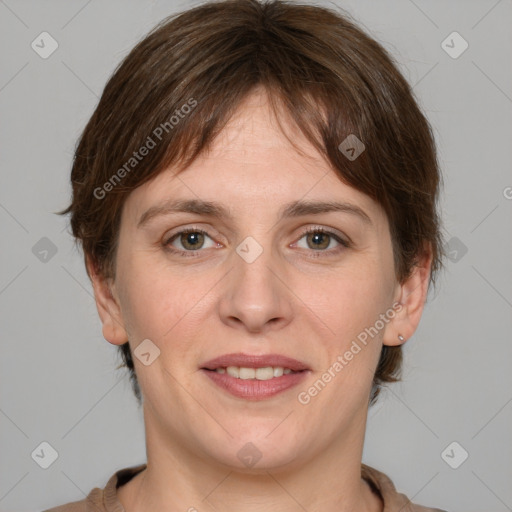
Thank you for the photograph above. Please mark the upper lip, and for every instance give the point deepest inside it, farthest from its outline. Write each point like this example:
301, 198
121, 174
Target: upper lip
254, 361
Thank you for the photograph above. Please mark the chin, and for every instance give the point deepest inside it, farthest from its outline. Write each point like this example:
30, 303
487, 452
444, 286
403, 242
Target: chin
255, 450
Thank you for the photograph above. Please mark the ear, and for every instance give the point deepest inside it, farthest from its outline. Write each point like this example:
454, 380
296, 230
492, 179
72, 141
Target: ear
107, 305
411, 295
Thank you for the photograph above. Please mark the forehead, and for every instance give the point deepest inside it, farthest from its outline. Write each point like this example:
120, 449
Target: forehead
252, 164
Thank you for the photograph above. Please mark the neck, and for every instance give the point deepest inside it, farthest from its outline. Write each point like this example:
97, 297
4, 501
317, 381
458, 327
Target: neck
176, 479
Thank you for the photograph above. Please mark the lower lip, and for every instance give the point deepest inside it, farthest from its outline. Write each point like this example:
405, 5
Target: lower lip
253, 389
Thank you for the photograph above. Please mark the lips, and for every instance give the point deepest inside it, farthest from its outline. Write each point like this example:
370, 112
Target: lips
250, 376
255, 361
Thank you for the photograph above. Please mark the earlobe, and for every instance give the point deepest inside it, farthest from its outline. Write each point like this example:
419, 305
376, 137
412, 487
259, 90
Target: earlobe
108, 307
412, 294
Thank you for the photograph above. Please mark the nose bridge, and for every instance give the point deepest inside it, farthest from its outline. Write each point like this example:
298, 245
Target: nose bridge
253, 279
254, 295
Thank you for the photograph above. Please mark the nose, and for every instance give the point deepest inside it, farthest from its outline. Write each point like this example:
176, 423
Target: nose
255, 297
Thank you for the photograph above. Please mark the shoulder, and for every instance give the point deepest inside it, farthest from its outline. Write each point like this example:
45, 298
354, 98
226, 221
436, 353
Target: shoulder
102, 500
92, 502
392, 499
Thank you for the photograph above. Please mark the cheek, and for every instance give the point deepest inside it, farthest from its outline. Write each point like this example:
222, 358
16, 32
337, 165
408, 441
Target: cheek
352, 302
161, 305
352, 348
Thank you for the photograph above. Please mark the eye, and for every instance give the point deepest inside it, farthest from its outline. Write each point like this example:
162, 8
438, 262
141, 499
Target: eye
191, 239
320, 239
188, 242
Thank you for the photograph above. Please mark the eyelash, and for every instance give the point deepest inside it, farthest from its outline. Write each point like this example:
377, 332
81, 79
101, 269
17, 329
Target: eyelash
317, 253
345, 244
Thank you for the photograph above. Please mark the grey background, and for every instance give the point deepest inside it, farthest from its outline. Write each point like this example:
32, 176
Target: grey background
58, 377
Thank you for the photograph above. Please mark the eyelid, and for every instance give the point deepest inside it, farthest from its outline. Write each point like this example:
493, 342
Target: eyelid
167, 244
339, 237
192, 229
327, 230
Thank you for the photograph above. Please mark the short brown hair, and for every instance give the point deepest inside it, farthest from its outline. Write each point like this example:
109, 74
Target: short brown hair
332, 79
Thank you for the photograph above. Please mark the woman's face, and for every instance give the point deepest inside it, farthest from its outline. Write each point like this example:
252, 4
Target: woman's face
254, 284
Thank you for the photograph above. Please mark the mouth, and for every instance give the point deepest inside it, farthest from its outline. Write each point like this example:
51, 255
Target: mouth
254, 377
245, 373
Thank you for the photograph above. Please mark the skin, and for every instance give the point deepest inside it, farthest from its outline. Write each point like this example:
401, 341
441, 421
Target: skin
287, 301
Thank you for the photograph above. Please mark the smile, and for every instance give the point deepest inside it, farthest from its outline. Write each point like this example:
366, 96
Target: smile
255, 377
266, 373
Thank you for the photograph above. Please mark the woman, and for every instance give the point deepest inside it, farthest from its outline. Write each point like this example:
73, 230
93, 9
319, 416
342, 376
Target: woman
256, 197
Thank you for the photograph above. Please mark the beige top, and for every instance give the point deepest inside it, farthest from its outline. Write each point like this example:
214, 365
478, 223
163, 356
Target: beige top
105, 500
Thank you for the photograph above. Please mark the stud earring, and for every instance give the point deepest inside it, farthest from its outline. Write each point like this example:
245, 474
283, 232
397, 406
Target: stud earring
401, 338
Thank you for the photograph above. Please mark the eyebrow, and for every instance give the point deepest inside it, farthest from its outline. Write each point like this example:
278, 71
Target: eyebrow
293, 209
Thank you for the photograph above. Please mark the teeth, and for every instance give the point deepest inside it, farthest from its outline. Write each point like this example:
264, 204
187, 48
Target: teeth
278, 371
266, 373
247, 373
233, 371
